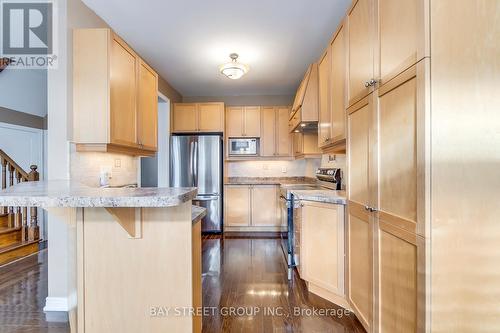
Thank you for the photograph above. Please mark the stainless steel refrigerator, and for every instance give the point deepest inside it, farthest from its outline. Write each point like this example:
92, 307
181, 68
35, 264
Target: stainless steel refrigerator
196, 161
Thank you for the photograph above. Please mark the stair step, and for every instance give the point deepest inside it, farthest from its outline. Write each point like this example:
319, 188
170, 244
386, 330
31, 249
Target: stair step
4, 220
17, 251
9, 236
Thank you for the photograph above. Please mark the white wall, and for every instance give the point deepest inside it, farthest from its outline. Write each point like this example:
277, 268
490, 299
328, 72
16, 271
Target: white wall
24, 90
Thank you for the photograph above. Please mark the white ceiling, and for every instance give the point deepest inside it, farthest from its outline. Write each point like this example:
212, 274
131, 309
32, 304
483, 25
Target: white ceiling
186, 40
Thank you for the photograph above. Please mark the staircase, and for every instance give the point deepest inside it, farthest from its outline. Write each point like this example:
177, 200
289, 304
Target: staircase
19, 231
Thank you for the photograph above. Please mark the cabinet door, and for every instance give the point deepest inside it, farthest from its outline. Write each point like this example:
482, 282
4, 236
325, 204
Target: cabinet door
252, 121
268, 138
265, 206
323, 246
397, 151
358, 145
211, 117
283, 138
361, 31
185, 117
234, 121
397, 279
123, 82
147, 107
237, 205
397, 36
298, 148
360, 257
337, 88
324, 130
310, 144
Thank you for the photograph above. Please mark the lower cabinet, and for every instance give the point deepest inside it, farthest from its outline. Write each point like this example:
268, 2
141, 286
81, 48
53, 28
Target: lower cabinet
322, 250
360, 261
252, 208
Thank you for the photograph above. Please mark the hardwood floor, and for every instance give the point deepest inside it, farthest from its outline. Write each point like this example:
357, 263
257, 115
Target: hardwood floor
248, 275
244, 281
23, 288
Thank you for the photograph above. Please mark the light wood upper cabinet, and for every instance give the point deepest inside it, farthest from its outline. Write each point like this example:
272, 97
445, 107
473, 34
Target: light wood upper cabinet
123, 86
324, 125
322, 246
147, 121
361, 49
243, 121
114, 95
185, 117
252, 121
235, 121
283, 137
198, 117
265, 206
211, 117
275, 140
337, 92
237, 205
305, 145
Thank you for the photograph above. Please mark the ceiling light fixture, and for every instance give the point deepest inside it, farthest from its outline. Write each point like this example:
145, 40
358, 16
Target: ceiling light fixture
234, 70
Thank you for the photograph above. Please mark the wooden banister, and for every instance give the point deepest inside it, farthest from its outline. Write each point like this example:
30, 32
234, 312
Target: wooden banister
18, 216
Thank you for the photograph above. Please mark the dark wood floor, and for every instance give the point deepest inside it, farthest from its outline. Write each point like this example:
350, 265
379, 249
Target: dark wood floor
244, 290
23, 288
244, 273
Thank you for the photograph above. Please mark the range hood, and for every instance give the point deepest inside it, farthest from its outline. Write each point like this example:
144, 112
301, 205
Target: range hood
305, 109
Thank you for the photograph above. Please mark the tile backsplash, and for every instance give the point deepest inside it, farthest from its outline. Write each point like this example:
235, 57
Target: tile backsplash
299, 168
85, 167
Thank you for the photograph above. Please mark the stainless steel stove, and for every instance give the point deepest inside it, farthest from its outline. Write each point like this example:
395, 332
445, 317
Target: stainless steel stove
326, 179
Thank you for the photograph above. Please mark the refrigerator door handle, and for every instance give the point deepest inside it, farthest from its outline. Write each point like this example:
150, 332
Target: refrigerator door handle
195, 162
191, 155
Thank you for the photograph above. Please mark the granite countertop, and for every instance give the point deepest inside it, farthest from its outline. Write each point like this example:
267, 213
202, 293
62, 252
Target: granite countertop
268, 180
71, 194
325, 196
197, 213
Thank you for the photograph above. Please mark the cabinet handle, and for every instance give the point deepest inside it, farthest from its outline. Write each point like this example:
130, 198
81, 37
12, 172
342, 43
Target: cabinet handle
367, 208
370, 83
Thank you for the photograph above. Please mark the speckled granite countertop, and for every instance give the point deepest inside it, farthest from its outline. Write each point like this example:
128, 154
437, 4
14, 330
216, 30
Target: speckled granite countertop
197, 213
268, 180
325, 196
71, 194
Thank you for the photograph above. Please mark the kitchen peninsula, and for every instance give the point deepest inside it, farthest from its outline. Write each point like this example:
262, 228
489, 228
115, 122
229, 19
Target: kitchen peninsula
134, 250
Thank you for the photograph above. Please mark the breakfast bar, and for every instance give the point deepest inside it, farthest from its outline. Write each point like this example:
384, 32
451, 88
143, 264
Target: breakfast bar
135, 250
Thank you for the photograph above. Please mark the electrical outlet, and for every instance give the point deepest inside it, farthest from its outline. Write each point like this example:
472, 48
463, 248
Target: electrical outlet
118, 163
265, 166
283, 169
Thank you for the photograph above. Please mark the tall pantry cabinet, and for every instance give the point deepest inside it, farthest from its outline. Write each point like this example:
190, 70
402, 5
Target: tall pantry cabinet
386, 119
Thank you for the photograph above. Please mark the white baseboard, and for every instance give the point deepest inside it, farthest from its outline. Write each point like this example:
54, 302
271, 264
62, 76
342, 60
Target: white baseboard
56, 304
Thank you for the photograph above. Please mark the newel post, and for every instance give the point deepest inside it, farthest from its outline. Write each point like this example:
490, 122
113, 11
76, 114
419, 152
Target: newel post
33, 230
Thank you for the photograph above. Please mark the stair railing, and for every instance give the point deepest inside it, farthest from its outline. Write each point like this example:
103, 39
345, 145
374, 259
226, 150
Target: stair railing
12, 174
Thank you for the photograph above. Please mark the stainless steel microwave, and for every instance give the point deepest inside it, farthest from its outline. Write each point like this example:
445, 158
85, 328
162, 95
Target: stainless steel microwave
243, 146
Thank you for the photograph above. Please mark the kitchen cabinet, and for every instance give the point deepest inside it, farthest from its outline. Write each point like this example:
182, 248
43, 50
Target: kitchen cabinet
265, 210
275, 140
198, 117
237, 205
147, 115
332, 94
305, 109
402, 36
360, 223
305, 145
361, 32
252, 208
324, 124
322, 249
243, 121
114, 95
